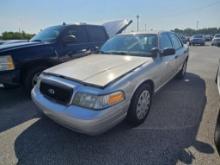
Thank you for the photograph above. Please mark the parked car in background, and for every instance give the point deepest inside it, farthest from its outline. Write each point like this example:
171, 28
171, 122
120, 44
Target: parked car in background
1, 42
13, 41
22, 62
197, 40
208, 37
94, 93
217, 129
216, 40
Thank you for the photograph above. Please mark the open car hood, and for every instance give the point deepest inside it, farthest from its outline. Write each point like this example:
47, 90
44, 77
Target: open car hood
116, 27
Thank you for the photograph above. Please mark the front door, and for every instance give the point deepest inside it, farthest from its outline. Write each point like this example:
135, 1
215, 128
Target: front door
168, 61
77, 48
180, 50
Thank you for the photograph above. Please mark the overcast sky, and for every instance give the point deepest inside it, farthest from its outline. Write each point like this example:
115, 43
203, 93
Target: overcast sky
33, 15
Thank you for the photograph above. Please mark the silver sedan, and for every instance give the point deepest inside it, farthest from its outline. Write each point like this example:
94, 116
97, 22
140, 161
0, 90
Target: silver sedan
92, 94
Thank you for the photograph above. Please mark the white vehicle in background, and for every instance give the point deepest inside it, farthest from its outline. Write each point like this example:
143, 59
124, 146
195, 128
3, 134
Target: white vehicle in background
216, 40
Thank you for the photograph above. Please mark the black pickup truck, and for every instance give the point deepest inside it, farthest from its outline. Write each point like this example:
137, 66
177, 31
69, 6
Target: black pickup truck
22, 62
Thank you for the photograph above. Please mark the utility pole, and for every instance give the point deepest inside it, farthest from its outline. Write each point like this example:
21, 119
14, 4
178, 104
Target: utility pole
137, 22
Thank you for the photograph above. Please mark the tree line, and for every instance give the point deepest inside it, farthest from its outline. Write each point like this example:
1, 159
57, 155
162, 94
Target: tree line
204, 31
188, 32
16, 35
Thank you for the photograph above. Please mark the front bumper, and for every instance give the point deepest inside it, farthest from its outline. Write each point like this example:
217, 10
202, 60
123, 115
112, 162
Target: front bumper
79, 119
10, 77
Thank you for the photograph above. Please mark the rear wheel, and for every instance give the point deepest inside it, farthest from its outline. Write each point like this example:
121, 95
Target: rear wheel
31, 78
140, 105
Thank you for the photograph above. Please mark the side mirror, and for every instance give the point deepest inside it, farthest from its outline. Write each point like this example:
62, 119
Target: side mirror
69, 39
154, 51
168, 51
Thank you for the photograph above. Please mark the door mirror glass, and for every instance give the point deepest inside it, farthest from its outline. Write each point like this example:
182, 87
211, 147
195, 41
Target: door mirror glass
168, 51
69, 39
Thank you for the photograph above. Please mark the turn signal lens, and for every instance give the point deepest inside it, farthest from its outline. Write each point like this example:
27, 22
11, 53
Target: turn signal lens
115, 98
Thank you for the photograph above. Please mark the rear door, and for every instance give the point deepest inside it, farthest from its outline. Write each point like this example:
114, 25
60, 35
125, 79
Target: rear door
77, 48
180, 51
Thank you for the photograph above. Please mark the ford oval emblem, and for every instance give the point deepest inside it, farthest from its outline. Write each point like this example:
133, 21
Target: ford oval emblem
51, 91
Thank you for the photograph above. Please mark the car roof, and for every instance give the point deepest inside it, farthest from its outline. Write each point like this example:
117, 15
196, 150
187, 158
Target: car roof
83, 25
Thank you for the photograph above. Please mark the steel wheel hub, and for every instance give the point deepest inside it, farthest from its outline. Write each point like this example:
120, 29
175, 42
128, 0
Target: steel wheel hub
143, 104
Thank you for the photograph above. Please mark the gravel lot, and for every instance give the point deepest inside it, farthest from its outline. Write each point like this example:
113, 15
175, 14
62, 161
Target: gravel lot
178, 130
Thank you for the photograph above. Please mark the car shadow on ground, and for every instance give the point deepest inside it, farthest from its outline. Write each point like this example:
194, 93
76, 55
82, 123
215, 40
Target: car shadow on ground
163, 138
15, 108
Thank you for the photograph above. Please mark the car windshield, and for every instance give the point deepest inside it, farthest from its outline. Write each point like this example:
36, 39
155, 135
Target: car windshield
48, 35
217, 36
137, 45
198, 36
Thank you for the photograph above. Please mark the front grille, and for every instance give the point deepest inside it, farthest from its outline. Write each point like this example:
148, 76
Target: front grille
57, 92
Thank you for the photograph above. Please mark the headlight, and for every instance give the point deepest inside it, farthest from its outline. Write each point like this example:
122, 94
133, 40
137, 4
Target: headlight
6, 63
98, 102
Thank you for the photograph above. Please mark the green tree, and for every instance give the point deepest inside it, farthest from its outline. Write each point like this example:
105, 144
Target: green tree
16, 35
190, 32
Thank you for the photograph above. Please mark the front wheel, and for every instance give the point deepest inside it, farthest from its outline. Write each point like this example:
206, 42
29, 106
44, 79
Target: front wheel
140, 105
31, 78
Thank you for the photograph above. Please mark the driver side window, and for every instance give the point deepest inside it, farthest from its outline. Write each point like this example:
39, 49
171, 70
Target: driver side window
78, 32
176, 43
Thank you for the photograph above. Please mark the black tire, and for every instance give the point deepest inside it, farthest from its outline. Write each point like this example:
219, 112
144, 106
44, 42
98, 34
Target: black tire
29, 77
217, 134
181, 74
132, 117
